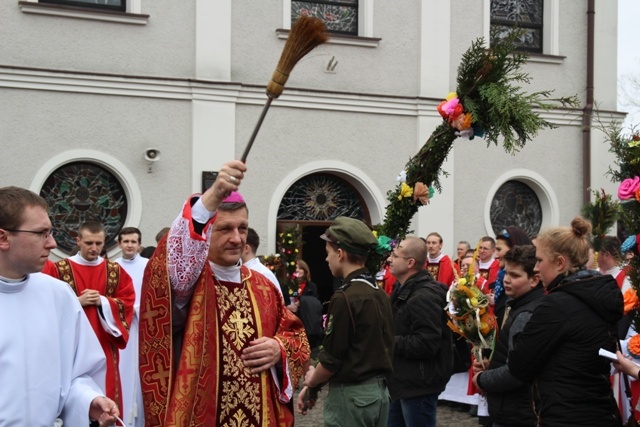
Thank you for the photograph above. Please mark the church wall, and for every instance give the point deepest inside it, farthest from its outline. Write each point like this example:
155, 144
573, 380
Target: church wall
163, 47
389, 68
38, 125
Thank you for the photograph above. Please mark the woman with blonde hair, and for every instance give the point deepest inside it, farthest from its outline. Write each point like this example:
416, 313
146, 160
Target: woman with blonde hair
557, 352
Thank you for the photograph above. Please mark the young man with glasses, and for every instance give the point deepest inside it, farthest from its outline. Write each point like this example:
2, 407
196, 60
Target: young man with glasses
52, 364
422, 353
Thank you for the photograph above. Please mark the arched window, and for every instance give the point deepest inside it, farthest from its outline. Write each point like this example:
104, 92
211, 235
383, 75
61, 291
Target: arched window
83, 191
321, 197
515, 203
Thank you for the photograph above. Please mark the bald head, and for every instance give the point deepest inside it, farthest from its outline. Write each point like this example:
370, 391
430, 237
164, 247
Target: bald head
408, 258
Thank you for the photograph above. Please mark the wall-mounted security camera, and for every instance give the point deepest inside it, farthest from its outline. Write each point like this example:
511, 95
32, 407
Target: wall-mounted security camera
152, 155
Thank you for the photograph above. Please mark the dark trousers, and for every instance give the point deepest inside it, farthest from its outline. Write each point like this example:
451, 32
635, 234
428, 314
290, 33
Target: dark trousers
419, 411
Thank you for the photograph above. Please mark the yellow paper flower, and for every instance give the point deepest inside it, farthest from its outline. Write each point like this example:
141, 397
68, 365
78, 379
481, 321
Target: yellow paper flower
462, 281
405, 191
421, 193
451, 95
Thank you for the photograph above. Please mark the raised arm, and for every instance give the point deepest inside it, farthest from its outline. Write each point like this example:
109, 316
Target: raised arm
188, 239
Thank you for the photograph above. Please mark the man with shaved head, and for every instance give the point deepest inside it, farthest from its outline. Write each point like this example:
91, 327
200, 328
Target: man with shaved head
422, 349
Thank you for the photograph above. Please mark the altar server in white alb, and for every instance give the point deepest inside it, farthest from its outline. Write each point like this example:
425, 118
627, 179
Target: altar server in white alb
130, 241
52, 366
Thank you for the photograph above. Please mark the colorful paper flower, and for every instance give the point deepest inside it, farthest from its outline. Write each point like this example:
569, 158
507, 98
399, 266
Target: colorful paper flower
421, 193
628, 188
384, 245
447, 107
462, 122
405, 191
633, 346
402, 176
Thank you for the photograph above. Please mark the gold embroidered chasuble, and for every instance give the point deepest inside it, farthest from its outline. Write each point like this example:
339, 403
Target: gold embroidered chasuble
209, 385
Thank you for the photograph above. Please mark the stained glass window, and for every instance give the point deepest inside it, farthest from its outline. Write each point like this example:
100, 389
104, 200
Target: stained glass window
320, 197
79, 192
515, 203
120, 5
340, 16
525, 14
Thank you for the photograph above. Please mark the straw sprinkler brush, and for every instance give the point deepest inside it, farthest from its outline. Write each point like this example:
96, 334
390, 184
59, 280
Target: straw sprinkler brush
306, 33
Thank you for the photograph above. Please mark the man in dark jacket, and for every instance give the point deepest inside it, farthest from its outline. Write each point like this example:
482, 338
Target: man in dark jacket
509, 398
423, 355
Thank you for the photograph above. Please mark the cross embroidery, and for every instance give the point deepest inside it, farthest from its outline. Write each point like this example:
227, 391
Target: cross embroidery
238, 329
149, 314
161, 375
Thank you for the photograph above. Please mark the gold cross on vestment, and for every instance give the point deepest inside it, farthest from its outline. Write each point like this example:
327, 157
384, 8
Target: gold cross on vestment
161, 375
238, 326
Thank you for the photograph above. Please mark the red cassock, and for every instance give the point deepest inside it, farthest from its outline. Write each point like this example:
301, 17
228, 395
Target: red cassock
116, 285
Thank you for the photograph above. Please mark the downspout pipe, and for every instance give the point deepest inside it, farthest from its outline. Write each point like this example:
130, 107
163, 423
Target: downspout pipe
587, 111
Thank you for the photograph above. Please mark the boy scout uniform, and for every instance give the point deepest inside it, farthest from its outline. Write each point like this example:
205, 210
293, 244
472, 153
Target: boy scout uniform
358, 342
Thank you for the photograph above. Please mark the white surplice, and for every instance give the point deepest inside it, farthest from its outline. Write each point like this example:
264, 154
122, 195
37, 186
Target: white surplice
132, 408
51, 363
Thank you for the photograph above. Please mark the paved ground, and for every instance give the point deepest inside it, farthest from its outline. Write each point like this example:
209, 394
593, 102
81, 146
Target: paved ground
447, 416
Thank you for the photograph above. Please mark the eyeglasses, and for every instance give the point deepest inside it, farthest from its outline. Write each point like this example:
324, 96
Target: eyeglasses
395, 255
44, 234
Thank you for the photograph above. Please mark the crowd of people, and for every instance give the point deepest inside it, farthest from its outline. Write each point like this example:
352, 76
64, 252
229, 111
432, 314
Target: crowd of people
203, 334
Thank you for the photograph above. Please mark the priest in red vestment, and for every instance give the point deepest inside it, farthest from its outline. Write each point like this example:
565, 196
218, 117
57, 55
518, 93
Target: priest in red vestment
438, 264
106, 294
489, 265
217, 344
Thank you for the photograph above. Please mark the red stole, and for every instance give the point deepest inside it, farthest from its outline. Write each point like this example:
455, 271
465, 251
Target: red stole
209, 385
112, 282
491, 273
620, 278
442, 271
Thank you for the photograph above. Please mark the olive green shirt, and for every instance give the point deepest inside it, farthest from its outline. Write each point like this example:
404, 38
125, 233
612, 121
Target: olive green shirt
358, 341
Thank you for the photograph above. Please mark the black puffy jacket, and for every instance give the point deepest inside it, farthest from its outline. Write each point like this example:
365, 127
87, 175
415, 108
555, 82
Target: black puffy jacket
557, 352
423, 346
509, 399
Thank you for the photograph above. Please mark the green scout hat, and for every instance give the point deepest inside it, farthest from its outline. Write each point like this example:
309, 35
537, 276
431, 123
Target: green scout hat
352, 235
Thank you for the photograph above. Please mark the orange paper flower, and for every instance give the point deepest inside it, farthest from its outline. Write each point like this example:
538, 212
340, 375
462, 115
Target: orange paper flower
420, 193
634, 346
638, 194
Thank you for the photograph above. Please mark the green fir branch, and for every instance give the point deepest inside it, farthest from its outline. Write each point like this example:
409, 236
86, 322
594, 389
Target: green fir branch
489, 89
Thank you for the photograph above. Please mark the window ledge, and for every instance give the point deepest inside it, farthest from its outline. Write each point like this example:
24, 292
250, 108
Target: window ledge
545, 59
340, 39
83, 13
